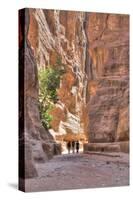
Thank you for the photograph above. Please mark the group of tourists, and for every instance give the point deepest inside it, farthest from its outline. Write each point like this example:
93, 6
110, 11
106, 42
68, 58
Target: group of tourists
74, 145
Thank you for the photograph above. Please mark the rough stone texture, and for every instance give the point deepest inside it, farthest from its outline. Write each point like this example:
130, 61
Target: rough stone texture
102, 147
107, 147
26, 163
32, 136
124, 146
108, 36
93, 95
37, 133
123, 129
62, 35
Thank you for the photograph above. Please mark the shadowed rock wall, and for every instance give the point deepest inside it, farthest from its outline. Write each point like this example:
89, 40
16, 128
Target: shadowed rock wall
35, 143
108, 36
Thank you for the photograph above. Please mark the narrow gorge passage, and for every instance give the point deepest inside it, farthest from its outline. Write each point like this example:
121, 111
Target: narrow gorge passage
75, 67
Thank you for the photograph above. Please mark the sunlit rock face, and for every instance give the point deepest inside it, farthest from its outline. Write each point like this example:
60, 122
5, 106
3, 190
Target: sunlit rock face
93, 94
62, 35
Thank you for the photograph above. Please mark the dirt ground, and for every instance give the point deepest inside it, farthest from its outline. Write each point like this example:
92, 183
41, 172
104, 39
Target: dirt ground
77, 171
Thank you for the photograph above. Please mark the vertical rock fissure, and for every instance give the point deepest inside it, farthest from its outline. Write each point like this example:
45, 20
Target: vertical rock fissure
88, 61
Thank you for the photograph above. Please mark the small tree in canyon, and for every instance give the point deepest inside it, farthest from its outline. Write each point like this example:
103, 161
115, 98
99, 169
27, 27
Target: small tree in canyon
49, 82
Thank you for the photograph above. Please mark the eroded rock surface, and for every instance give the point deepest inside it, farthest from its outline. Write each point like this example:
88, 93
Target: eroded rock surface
93, 95
108, 36
32, 135
62, 36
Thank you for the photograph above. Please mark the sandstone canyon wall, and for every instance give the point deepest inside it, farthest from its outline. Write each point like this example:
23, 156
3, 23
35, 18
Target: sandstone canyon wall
35, 143
93, 95
108, 36
62, 35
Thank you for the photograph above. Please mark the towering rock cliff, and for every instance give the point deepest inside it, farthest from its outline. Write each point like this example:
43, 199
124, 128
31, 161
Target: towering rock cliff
35, 143
108, 36
62, 35
93, 95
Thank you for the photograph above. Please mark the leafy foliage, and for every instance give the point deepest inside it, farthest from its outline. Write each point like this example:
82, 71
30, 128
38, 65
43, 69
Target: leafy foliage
49, 81
45, 116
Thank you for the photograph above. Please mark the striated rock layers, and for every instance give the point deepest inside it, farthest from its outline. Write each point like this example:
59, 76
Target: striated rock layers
62, 36
108, 36
35, 143
93, 95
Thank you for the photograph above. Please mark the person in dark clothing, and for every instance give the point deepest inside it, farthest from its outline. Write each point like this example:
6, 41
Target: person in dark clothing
68, 146
77, 146
73, 146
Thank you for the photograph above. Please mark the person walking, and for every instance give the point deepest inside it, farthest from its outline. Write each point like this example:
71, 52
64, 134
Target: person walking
68, 146
73, 146
77, 146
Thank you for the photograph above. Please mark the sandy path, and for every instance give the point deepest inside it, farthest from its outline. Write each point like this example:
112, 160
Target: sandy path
76, 171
